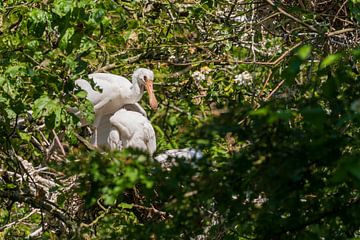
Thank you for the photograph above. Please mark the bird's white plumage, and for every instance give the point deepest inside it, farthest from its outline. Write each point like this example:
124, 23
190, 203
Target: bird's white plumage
186, 153
116, 92
135, 108
125, 129
168, 159
135, 130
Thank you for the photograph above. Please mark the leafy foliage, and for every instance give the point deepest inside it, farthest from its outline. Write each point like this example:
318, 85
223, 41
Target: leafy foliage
267, 91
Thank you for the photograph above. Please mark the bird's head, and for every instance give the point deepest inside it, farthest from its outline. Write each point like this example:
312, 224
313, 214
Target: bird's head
144, 77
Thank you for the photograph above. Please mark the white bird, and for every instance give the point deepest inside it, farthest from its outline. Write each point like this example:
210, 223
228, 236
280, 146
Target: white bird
168, 158
126, 129
186, 153
117, 91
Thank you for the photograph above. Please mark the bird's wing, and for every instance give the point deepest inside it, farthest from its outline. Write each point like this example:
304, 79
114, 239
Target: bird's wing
111, 86
92, 95
149, 137
110, 79
117, 120
135, 108
103, 101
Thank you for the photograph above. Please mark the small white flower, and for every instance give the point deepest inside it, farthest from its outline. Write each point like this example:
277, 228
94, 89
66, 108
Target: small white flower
172, 58
198, 77
260, 200
241, 18
243, 79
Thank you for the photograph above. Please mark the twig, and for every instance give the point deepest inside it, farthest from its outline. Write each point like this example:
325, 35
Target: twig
279, 59
266, 18
85, 142
232, 10
59, 143
177, 74
337, 13
151, 209
282, 11
96, 220
36, 233
40, 204
178, 109
37, 144
341, 31
107, 67
230, 61
19, 220
275, 89
253, 33
14, 128
266, 82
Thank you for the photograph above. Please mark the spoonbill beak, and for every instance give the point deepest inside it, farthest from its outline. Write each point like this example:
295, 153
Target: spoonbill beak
152, 99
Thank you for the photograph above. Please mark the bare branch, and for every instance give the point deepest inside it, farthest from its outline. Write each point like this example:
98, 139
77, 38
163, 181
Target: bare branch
282, 11
2, 228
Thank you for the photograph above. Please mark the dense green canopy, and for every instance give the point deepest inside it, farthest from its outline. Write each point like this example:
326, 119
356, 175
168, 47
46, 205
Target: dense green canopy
267, 90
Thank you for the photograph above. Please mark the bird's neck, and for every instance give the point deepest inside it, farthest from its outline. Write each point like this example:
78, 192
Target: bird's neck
136, 90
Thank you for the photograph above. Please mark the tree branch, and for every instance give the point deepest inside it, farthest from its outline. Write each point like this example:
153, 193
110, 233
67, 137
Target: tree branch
282, 11
40, 204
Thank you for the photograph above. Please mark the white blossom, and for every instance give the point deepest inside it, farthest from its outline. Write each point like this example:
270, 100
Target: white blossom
198, 77
241, 18
259, 201
172, 58
243, 79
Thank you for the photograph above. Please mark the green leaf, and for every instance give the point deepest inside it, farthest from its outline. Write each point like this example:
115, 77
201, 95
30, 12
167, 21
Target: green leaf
132, 174
81, 94
260, 112
132, 24
10, 113
304, 52
329, 60
24, 136
66, 38
49, 108
39, 105
3, 100
17, 70
38, 16
126, 205
10, 186
63, 7
315, 116
2, 80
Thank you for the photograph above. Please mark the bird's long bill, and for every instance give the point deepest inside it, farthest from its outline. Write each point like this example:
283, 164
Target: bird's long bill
152, 98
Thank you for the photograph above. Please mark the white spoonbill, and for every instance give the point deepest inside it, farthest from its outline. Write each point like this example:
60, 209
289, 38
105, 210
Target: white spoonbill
126, 129
116, 91
168, 158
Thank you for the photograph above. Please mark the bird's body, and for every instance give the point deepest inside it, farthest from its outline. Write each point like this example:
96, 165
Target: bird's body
116, 91
103, 131
169, 158
186, 153
135, 130
126, 129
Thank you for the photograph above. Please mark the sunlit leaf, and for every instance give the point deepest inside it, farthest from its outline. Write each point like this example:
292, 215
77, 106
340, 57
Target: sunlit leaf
329, 60
304, 52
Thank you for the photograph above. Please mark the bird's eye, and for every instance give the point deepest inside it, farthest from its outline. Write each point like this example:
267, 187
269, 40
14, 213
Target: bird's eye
145, 78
